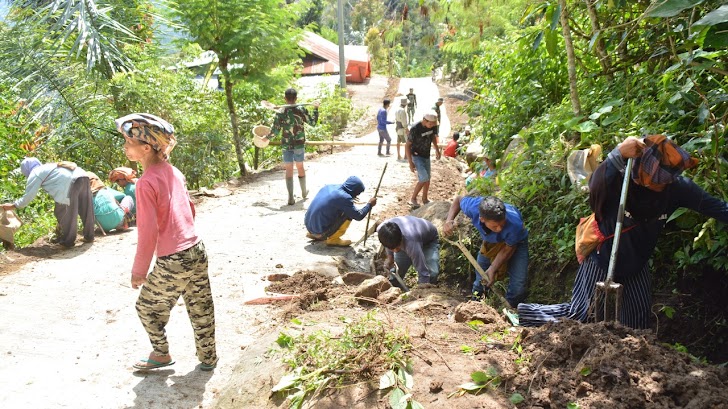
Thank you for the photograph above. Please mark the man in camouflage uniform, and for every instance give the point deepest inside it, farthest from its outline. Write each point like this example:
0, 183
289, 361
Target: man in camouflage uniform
411, 105
289, 124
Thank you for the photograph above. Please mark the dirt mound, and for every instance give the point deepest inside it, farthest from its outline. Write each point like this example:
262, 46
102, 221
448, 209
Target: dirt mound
301, 282
605, 365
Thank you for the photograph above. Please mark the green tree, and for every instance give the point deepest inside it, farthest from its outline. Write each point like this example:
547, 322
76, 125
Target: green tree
249, 37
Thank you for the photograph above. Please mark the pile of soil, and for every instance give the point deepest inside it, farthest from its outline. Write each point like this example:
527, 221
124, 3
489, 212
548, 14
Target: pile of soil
600, 365
606, 365
311, 287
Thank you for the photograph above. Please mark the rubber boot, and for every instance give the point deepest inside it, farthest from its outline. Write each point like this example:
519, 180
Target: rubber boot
289, 186
302, 182
335, 239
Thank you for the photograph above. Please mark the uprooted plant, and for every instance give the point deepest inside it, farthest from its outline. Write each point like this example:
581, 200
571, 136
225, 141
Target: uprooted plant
363, 350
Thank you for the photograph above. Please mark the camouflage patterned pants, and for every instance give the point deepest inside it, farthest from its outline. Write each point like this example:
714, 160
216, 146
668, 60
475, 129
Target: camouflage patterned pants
183, 273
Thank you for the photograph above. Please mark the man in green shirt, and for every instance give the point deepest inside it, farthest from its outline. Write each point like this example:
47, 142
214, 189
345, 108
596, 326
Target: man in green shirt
289, 125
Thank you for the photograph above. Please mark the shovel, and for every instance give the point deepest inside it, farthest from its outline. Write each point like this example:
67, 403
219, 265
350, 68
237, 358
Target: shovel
279, 108
512, 317
376, 192
399, 280
610, 292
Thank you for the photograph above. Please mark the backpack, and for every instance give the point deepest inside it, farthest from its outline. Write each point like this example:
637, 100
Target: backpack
590, 237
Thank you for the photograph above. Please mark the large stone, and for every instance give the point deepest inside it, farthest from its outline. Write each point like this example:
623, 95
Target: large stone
471, 310
372, 287
355, 278
390, 295
430, 301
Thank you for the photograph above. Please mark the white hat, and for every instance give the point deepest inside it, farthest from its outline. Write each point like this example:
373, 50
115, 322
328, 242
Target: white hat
403, 100
431, 116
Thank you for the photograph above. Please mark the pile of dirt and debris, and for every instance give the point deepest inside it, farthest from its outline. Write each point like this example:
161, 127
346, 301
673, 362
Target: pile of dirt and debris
567, 364
606, 365
309, 287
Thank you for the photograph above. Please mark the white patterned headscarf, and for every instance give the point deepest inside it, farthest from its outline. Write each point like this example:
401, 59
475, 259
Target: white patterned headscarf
149, 129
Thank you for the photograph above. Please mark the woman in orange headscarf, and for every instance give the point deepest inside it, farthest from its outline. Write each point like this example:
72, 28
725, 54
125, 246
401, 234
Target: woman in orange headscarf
656, 190
126, 179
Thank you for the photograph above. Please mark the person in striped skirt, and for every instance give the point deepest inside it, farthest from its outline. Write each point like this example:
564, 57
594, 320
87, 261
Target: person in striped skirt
656, 190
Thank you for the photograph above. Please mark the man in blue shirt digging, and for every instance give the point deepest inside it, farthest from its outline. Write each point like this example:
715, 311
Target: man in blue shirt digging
505, 243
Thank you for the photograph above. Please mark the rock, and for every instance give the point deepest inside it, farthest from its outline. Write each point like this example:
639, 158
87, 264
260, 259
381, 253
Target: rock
472, 310
430, 301
390, 295
372, 287
435, 386
325, 268
355, 278
278, 277
337, 281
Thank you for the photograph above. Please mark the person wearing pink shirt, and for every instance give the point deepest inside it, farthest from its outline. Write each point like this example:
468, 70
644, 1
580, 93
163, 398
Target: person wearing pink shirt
166, 226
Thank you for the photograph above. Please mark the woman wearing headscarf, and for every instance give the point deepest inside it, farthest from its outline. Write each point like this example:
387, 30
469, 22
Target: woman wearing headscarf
126, 178
111, 207
656, 190
68, 184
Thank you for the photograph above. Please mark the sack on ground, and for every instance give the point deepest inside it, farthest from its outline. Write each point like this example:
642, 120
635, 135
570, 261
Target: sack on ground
9, 223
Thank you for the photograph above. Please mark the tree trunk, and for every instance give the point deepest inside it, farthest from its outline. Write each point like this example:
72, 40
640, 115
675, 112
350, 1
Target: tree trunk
571, 59
599, 44
233, 114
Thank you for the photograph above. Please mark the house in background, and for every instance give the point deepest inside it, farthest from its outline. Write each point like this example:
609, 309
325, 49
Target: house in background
322, 57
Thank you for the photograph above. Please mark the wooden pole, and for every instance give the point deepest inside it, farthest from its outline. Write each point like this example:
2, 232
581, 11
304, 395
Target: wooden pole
376, 192
341, 143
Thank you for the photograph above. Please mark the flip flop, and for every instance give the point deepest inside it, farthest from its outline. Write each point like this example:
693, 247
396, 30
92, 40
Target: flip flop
206, 367
151, 364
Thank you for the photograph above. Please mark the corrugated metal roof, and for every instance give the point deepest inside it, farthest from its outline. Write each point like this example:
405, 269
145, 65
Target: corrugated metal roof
326, 51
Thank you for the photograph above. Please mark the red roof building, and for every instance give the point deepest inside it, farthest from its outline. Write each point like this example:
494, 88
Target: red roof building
322, 57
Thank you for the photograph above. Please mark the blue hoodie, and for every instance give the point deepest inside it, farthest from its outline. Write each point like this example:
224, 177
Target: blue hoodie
333, 205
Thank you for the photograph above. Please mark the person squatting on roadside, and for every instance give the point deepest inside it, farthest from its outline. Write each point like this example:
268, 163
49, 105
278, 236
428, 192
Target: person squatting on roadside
655, 191
411, 240
411, 105
451, 150
166, 226
332, 210
505, 243
68, 185
382, 127
422, 135
126, 178
400, 118
112, 208
289, 124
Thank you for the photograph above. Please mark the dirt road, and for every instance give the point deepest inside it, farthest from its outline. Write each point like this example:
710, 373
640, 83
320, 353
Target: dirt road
69, 332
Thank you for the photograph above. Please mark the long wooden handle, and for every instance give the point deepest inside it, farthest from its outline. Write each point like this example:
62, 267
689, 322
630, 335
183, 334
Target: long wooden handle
475, 264
376, 192
620, 219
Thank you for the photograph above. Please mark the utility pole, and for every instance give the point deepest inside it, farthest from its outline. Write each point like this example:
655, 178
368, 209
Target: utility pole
342, 59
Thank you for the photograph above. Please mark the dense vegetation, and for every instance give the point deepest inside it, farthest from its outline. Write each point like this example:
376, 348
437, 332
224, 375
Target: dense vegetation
549, 76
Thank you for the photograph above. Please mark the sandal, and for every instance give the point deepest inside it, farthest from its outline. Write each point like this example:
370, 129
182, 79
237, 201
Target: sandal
413, 204
207, 367
147, 364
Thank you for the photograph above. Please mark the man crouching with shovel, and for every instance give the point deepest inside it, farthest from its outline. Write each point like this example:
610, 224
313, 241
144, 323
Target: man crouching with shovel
332, 210
656, 190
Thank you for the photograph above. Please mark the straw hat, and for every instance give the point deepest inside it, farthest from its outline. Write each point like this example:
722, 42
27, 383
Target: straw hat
9, 223
259, 131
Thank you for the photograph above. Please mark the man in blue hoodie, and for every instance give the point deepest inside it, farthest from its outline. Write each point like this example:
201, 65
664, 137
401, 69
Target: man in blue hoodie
332, 210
